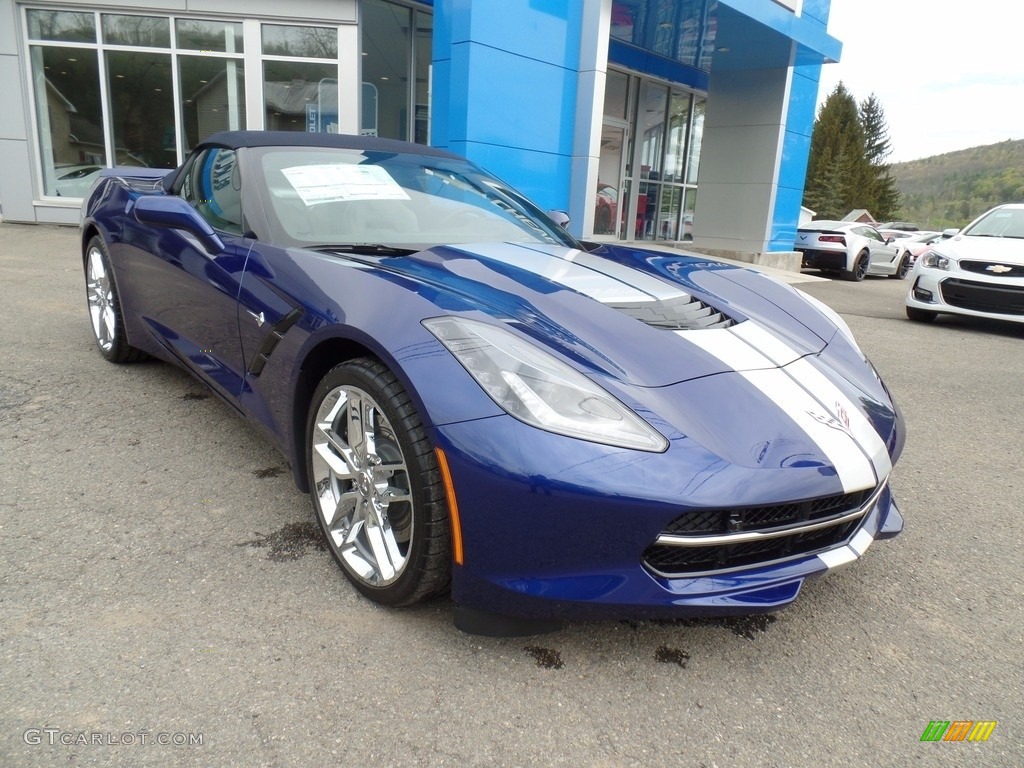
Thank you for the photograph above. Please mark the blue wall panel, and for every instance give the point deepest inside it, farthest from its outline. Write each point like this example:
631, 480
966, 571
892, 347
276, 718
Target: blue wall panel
796, 147
505, 85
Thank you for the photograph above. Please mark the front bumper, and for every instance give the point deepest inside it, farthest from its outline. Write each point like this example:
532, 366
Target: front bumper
966, 293
570, 544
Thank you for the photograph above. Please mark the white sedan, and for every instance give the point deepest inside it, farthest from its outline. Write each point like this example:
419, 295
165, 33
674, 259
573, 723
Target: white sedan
850, 249
978, 271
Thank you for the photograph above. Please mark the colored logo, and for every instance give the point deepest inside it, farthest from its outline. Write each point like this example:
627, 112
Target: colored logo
958, 730
998, 269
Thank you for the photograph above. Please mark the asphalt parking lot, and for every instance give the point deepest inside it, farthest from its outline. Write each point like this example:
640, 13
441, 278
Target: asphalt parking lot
160, 586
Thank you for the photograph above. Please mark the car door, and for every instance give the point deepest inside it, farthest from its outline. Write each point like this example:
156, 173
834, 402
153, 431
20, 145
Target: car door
190, 292
883, 255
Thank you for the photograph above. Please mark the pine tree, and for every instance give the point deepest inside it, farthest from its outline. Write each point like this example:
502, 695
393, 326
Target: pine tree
876, 133
881, 190
839, 176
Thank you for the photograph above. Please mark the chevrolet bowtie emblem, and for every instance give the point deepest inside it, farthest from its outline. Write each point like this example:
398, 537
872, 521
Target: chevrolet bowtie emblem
259, 318
998, 268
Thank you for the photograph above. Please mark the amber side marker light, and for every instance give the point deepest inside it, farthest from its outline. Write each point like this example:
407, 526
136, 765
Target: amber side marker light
453, 506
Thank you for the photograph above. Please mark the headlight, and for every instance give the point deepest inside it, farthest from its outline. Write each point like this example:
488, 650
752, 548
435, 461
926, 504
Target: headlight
538, 389
936, 260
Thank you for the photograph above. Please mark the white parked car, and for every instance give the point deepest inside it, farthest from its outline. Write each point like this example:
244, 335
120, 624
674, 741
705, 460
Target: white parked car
978, 271
917, 243
850, 249
76, 180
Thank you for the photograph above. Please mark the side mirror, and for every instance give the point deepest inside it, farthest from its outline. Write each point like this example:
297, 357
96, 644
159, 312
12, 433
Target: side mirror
948, 233
889, 240
174, 213
561, 218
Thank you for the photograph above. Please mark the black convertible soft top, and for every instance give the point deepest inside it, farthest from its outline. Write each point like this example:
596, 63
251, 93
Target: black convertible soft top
238, 139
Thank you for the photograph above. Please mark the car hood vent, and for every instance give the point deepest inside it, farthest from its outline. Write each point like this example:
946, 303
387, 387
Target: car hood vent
679, 313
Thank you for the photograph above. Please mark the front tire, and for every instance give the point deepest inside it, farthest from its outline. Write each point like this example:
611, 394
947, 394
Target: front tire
860, 268
105, 306
921, 315
375, 485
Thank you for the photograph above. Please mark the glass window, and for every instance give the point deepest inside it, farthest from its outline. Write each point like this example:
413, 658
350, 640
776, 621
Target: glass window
141, 31
386, 60
678, 120
212, 97
69, 118
609, 171
142, 108
220, 36
696, 137
212, 186
652, 128
65, 26
310, 42
424, 59
616, 91
300, 96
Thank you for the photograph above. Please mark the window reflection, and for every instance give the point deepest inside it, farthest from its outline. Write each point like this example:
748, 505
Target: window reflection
69, 118
145, 31
311, 42
213, 97
64, 26
198, 35
142, 108
386, 50
300, 96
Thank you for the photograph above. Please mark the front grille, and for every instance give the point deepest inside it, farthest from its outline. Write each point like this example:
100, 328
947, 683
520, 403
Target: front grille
983, 297
749, 536
736, 520
993, 268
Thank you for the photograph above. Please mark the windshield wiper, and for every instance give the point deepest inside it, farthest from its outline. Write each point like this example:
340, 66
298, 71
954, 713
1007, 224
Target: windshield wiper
363, 248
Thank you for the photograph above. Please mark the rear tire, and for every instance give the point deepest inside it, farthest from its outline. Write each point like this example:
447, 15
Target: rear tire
921, 315
105, 306
860, 268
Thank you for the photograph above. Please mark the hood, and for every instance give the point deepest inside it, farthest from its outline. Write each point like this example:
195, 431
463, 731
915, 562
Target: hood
648, 318
1008, 250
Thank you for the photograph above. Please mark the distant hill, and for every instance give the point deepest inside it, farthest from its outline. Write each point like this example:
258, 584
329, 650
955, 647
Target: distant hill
952, 189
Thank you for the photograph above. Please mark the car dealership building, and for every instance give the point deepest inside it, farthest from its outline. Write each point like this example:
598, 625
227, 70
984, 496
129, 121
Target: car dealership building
661, 120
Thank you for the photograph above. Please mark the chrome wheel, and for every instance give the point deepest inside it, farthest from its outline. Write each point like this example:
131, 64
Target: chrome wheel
361, 486
100, 295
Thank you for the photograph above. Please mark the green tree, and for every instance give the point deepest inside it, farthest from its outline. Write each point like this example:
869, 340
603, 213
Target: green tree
881, 195
846, 168
838, 171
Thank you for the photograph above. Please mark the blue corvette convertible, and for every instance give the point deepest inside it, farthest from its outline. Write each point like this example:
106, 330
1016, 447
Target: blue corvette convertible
477, 402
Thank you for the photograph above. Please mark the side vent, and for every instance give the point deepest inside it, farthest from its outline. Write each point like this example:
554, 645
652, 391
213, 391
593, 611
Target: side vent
680, 313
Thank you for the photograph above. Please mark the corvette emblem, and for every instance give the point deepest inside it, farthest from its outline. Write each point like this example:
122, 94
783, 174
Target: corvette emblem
259, 318
998, 268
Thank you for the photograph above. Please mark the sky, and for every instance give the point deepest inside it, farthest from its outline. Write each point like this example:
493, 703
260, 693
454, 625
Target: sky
948, 74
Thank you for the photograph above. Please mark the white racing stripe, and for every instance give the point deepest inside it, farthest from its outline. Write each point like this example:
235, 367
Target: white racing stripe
843, 452
863, 432
843, 555
805, 395
834, 401
600, 286
649, 284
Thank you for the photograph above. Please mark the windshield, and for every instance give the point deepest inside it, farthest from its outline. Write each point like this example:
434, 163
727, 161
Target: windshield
327, 196
1000, 222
